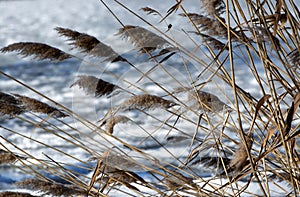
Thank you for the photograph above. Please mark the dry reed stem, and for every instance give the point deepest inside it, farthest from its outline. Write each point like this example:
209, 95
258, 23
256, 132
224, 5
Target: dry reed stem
145, 102
39, 50
143, 39
89, 44
49, 188
94, 86
31, 104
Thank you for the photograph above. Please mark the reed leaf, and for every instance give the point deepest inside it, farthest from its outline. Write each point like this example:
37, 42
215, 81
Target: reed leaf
39, 50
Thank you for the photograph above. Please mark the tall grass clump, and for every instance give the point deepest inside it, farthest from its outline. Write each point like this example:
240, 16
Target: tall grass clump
205, 107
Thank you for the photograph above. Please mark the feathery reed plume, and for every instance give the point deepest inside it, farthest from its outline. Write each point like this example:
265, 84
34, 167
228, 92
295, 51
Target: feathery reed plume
112, 121
31, 104
213, 162
123, 176
209, 101
240, 158
143, 39
206, 24
283, 176
89, 44
7, 157
51, 188
179, 182
15, 194
146, 101
39, 50
212, 42
139, 102
213, 8
294, 57
9, 105
149, 10
94, 86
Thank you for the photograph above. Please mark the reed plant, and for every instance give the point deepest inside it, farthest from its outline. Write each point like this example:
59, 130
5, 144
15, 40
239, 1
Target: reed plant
183, 120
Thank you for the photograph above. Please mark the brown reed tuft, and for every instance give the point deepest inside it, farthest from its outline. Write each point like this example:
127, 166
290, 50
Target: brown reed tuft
89, 44
146, 101
9, 105
31, 104
123, 176
213, 162
294, 57
6, 157
149, 10
114, 120
240, 158
15, 194
179, 182
213, 8
210, 26
209, 101
143, 39
51, 188
94, 86
212, 42
39, 50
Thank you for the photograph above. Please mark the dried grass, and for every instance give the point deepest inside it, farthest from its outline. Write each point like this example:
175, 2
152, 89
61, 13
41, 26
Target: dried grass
39, 50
